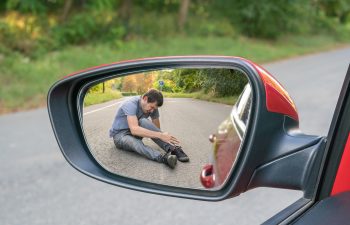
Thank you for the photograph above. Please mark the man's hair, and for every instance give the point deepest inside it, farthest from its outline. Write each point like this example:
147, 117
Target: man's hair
154, 95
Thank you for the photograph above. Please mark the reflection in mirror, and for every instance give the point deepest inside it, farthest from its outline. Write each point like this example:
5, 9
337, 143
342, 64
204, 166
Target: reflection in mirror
154, 126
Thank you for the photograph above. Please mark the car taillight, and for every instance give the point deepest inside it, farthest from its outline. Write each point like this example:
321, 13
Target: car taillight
207, 176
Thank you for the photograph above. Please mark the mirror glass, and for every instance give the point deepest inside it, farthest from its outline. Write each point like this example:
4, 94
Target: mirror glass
181, 127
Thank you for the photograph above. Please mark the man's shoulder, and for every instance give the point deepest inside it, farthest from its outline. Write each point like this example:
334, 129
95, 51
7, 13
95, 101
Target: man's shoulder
129, 106
131, 100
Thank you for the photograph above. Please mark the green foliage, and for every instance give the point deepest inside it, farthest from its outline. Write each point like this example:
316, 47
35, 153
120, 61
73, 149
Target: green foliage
42, 26
24, 82
230, 100
222, 82
216, 27
98, 88
84, 27
101, 5
271, 19
128, 93
188, 80
180, 80
339, 9
2, 6
169, 86
151, 26
215, 82
15, 39
96, 98
161, 6
27, 6
37, 45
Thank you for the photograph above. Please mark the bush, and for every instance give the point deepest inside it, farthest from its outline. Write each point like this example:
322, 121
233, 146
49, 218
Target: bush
84, 27
222, 82
266, 19
216, 82
78, 29
169, 86
187, 80
152, 25
96, 98
19, 33
128, 93
98, 88
212, 27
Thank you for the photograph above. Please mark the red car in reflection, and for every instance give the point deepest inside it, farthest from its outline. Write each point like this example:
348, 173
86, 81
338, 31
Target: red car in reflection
226, 142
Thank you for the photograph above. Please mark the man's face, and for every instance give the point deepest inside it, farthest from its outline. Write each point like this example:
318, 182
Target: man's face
148, 107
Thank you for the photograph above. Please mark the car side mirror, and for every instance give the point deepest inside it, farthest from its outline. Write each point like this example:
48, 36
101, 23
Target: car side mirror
252, 140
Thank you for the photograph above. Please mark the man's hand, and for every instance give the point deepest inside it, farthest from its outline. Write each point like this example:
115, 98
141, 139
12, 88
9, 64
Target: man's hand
166, 137
136, 130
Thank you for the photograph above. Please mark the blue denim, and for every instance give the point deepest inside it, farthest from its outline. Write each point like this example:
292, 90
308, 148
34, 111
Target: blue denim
126, 141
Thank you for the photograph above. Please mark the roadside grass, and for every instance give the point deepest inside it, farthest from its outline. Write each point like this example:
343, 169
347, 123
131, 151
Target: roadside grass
179, 95
25, 82
230, 100
96, 98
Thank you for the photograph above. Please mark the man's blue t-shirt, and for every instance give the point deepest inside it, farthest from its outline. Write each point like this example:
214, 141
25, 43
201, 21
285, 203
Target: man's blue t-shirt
130, 107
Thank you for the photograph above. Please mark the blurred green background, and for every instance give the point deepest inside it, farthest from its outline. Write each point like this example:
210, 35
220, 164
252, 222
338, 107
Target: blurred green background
43, 40
211, 84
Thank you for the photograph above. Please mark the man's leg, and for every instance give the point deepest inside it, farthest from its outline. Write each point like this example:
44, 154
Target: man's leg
177, 150
147, 124
128, 142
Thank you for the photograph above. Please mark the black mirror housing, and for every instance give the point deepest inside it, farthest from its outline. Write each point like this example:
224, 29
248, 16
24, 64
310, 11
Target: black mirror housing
272, 144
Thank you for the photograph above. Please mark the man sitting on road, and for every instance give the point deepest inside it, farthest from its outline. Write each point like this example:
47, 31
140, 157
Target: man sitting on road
131, 124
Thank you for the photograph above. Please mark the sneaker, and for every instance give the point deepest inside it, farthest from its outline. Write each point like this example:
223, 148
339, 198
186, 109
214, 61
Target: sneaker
169, 160
180, 154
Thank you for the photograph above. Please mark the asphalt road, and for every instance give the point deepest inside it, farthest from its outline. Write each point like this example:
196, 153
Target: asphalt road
37, 186
189, 120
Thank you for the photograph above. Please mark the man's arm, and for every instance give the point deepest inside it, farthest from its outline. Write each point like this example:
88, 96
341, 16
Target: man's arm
156, 122
136, 130
140, 131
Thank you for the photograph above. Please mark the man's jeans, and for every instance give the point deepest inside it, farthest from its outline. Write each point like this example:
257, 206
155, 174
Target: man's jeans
126, 141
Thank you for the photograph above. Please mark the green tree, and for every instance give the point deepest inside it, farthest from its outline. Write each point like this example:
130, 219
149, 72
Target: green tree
222, 82
183, 12
66, 9
264, 18
339, 9
27, 6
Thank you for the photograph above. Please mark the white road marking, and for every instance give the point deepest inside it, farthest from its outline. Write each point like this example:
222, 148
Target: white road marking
96, 110
108, 106
166, 101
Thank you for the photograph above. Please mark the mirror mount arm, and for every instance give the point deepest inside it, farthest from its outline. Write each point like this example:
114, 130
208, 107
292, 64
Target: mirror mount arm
296, 169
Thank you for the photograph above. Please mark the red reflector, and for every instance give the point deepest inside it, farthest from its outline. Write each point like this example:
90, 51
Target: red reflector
277, 98
276, 103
